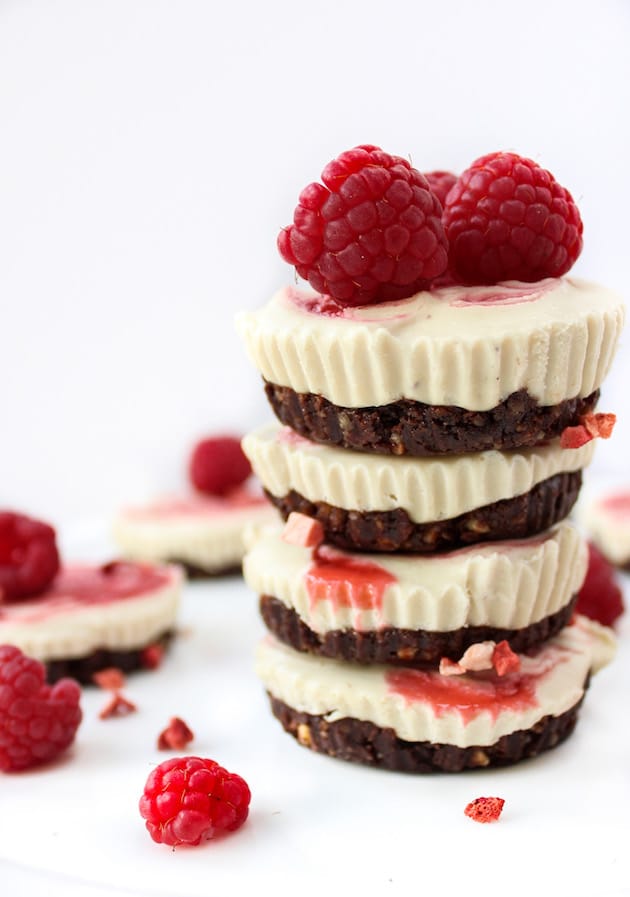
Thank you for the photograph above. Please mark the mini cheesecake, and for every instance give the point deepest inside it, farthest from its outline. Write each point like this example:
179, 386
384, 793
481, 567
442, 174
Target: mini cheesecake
451, 370
203, 534
414, 609
419, 720
375, 503
93, 617
606, 519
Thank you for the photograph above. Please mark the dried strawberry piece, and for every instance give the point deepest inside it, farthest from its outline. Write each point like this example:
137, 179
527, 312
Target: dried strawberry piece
450, 668
504, 660
485, 809
574, 437
478, 657
118, 705
111, 679
303, 530
600, 425
176, 736
152, 656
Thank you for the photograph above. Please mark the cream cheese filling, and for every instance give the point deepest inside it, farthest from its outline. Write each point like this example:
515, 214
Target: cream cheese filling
338, 690
429, 489
507, 585
212, 542
466, 346
607, 521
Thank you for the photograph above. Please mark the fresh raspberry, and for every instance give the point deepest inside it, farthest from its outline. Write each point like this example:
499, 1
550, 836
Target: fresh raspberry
600, 597
176, 736
218, 465
187, 800
373, 233
37, 721
485, 809
29, 559
440, 183
507, 218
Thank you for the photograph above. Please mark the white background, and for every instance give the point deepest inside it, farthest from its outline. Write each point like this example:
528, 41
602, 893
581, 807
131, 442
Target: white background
151, 150
149, 153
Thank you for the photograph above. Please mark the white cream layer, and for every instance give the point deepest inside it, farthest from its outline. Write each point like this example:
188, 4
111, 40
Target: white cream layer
606, 519
125, 624
429, 489
338, 690
501, 584
465, 346
213, 541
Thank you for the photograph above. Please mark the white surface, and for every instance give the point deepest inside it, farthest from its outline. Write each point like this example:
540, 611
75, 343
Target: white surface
140, 138
74, 828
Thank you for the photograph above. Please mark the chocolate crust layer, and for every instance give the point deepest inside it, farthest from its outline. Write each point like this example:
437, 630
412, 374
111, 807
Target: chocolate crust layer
362, 742
391, 531
407, 427
193, 571
401, 647
83, 668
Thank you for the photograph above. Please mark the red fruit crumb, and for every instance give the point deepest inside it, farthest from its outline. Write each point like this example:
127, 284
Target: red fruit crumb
188, 800
507, 218
504, 660
440, 183
372, 232
600, 425
37, 721
303, 530
485, 809
450, 668
600, 597
152, 656
176, 736
477, 657
574, 437
218, 465
29, 559
118, 705
111, 678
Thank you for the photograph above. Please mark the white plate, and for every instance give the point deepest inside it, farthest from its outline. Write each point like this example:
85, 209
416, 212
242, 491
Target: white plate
315, 823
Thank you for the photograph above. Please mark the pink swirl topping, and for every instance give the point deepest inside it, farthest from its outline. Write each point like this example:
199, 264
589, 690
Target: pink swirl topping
83, 585
197, 506
346, 581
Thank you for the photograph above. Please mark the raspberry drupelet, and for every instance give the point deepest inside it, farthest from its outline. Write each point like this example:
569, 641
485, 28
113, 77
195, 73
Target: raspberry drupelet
372, 232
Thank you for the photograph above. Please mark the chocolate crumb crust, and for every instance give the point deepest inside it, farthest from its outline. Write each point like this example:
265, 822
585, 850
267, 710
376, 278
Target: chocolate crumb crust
401, 647
83, 668
359, 741
407, 427
394, 531
193, 571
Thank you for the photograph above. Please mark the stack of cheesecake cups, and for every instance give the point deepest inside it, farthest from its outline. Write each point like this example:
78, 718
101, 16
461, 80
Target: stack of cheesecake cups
420, 598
